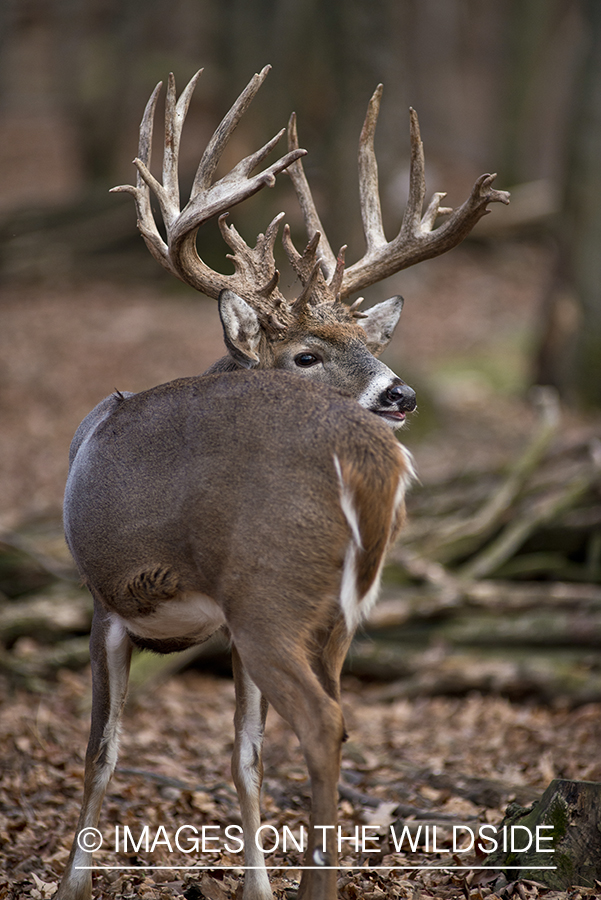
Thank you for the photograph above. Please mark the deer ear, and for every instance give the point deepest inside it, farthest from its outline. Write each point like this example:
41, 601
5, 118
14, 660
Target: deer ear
379, 323
241, 329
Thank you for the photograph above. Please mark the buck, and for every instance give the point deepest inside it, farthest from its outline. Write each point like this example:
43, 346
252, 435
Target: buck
260, 502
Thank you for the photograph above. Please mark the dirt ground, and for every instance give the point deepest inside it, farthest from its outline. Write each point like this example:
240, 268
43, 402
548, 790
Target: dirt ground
464, 340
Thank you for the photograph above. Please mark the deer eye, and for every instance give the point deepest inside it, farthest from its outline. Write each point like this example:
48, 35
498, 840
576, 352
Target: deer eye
306, 360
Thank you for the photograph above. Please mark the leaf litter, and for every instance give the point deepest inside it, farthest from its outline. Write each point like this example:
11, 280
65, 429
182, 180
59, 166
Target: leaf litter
434, 756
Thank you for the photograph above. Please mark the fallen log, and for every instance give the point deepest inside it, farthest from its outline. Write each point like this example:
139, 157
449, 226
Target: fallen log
47, 616
459, 535
564, 676
422, 602
33, 666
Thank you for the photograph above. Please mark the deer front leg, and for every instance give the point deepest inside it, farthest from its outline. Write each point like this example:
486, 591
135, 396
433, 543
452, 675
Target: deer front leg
110, 651
247, 771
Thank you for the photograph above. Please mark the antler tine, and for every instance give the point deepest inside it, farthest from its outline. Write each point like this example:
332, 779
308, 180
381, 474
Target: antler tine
336, 281
230, 190
246, 165
435, 209
141, 193
215, 147
307, 204
305, 298
371, 212
261, 258
175, 115
167, 193
417, 239
146, 129
417, 179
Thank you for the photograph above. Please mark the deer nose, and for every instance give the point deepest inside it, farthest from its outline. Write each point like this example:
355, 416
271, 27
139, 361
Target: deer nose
402, 396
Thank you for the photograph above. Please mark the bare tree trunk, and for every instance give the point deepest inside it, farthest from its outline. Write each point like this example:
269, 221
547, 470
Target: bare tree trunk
570, 349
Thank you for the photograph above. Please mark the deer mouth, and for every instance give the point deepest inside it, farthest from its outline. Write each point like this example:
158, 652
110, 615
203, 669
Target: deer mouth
393, 416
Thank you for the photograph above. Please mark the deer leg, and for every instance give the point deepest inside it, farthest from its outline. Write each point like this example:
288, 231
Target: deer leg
285, 677
325, 773
328, 664
110, 651
247, 771
320, 734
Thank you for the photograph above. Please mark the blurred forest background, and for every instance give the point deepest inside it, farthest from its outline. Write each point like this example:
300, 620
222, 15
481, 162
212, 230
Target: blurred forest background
510, 480
514, 84
484, 654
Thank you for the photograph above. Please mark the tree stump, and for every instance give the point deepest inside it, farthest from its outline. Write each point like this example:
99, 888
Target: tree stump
564, 832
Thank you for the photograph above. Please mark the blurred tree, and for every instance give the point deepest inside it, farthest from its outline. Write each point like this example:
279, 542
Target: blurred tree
570, 350
491, 79
96, 61
540, 37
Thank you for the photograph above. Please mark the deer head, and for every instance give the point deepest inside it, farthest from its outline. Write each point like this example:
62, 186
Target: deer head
316, 335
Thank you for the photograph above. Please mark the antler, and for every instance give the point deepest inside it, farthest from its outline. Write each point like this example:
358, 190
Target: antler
417, 239
321, 272
255, 271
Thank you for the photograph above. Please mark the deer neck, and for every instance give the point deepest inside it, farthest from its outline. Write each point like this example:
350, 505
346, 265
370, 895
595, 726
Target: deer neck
225, 364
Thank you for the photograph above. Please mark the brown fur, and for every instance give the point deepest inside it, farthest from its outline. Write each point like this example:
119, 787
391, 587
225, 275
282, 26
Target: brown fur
149, 587
220, 495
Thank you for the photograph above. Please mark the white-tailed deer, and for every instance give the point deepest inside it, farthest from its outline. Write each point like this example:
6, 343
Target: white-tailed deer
260, 502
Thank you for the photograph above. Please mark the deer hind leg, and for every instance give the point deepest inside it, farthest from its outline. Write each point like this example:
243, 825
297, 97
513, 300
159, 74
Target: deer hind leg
325, 774
247, 772
110, 650
285, 676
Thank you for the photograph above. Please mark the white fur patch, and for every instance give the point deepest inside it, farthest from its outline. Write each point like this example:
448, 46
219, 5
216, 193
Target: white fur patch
370, 599
346, 503
349, 598
251, 736
354, 607
409, 473
379, 383
117, 661
192, 615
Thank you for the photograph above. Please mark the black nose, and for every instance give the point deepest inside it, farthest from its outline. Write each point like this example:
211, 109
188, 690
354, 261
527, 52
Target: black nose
402, 396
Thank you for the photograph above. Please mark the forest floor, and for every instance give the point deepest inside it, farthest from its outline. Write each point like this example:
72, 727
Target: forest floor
173, 771
465, 342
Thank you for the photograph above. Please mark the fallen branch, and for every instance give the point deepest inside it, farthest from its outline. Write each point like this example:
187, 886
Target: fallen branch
47, 616
502, 597
518, 531
459, 537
